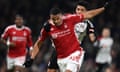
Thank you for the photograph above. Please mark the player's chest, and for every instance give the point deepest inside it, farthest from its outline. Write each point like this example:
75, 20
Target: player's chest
21, 33
60, 31
106, 42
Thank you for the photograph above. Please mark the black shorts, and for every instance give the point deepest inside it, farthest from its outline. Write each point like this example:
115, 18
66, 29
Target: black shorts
53, 61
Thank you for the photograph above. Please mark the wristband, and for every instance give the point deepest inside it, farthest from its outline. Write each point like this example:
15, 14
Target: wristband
31, 48
8, 43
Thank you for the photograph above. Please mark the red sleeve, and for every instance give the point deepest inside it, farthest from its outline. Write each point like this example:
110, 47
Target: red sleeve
76, 18
43, 35
6, 33
29, 39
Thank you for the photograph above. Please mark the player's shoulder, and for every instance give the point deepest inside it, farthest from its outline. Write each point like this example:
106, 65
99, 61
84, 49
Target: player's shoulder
27, 28
68, 15
10, 27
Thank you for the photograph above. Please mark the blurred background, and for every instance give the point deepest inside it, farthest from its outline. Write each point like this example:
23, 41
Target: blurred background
36, 12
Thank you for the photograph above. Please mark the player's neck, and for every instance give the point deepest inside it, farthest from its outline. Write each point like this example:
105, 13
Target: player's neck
18, 26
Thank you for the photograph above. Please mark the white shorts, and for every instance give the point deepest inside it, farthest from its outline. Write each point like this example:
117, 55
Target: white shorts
72, 62
18, 61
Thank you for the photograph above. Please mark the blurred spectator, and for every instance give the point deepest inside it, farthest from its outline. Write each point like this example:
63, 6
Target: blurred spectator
103, 57
115, 52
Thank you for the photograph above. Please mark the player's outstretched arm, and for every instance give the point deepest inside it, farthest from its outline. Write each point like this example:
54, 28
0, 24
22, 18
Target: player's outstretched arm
35, 51
36, 47
91, 13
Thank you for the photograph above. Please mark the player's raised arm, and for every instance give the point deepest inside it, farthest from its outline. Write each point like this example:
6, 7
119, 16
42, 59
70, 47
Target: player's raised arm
91, 13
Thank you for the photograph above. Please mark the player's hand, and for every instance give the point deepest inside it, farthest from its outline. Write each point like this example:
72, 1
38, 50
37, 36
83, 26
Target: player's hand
11, 44
106, 5
28, 63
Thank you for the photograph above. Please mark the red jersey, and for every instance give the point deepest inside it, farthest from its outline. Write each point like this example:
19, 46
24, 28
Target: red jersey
21, 37
63, 36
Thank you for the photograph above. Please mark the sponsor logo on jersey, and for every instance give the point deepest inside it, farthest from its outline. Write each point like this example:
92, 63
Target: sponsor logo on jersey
14, 33
65, 26
18, 38
61, 33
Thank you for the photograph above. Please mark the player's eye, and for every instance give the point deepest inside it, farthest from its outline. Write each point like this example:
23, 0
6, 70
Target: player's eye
79, 9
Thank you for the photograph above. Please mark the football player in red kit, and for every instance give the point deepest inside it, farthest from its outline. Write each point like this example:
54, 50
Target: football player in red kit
18, 38
80, 32
61, 31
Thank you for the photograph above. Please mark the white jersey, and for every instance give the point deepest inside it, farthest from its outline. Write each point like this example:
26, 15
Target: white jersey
81, 27
104, 55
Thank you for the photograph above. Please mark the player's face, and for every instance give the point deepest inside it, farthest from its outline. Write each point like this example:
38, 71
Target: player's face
106, 33
19, 21
57, 19
80, 9
92, 37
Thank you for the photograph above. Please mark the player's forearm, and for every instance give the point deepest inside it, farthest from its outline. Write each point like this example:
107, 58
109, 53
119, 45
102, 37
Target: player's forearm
30, 44
36, 49
92, 13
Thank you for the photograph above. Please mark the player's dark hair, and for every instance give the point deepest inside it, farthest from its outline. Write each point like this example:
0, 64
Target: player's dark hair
47, 26
18, 15
55, 11
83, 3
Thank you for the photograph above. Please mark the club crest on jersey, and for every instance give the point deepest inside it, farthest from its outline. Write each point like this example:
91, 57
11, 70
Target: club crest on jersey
54, 36
14, 32
65, 26
51, 29
25, 34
